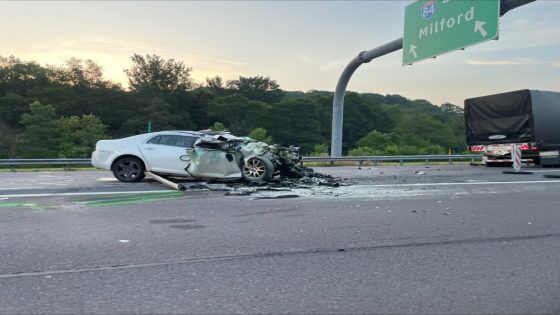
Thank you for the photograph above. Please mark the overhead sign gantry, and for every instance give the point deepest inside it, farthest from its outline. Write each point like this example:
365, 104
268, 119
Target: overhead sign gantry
459, 23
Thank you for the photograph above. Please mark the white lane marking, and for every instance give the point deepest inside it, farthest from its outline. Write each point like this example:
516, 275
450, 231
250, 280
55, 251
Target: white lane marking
106, 179
542, 171
468, 183
87, 193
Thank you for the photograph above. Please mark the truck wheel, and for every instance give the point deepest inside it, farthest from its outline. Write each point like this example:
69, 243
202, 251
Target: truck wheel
258, 168
128, 169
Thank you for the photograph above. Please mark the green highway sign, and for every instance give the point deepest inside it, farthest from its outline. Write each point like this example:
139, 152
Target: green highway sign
434, 27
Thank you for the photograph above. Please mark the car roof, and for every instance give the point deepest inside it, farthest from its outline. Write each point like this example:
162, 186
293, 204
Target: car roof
183, 132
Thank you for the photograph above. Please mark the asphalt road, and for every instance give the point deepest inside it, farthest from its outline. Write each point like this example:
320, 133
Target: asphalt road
423, 240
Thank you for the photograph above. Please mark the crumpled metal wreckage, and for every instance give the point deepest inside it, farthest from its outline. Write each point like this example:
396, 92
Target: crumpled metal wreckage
252, 163
225, 156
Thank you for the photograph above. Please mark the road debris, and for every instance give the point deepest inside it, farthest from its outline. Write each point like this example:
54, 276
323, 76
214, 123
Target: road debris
305, 178
276, 197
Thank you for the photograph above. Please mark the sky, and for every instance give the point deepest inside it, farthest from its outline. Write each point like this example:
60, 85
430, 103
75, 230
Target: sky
303, 45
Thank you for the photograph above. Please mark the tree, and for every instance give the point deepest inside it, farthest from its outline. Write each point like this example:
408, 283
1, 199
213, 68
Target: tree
296, 122
215, 83
218, 126
157, 111
7, 136
360, 117
78, 135
18, 77
260, 135
426, 127
238, 113
257, 88
449, 108
40, 136
79, 73
378, 140
12, 106
153, 73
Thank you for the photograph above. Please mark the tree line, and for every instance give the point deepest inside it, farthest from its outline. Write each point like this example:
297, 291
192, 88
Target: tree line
61, 111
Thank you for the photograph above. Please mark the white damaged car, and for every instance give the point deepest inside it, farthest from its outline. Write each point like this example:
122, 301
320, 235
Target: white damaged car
196, 154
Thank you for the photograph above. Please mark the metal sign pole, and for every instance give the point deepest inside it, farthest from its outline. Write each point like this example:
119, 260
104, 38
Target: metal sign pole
367, 56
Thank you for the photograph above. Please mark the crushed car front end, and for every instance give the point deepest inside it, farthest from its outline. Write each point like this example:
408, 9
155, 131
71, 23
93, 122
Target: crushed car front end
224, 156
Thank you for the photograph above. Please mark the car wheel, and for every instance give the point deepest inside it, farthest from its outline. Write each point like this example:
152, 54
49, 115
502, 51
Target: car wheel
128, 169
258, 168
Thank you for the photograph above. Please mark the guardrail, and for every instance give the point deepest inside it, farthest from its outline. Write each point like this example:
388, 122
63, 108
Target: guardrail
400, 158
12, 163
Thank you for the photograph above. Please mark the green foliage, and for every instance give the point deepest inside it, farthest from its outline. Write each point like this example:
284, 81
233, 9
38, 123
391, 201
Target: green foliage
45, 136
12, 106
83, 106
378, 140
78, 135
378, 143
239, 113
296, 122
218, 126
260, 135
7, 140
78, 73
159, 112
321, 150
153, 73
426, 127
40, 136
257, 88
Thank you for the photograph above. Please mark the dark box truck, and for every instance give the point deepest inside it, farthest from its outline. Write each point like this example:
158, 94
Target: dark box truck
528, 118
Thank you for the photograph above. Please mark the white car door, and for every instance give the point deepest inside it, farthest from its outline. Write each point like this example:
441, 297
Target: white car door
168, 153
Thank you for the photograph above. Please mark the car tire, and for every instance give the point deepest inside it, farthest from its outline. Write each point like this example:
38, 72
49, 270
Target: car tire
128, 169
258, 168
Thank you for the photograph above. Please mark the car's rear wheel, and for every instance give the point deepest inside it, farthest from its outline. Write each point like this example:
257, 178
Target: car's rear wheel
128, 169
258, 168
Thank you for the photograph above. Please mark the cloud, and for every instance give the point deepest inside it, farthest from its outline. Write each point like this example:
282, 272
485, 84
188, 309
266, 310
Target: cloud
522, 61
537, 31
556, 64
324, 65
114, 56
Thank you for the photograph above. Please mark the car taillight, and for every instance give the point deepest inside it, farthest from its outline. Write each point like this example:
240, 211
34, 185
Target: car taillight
477, 148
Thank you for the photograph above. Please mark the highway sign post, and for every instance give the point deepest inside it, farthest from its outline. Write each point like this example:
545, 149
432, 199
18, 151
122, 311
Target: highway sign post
435, 27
